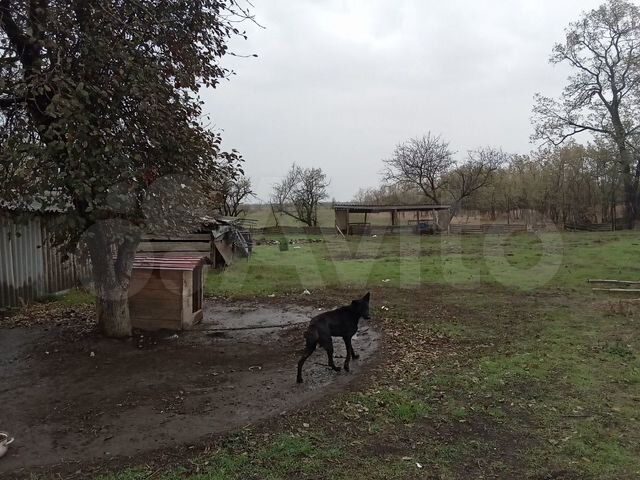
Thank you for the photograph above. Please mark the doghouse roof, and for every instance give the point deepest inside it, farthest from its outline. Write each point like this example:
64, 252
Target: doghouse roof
160, 262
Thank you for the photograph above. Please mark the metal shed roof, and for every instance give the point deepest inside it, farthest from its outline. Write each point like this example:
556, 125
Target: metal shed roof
370, 208
157, 262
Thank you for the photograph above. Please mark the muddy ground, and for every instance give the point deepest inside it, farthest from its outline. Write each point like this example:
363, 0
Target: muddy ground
74, 400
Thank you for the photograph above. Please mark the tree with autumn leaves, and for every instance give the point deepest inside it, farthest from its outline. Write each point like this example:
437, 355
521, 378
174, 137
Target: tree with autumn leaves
100, 117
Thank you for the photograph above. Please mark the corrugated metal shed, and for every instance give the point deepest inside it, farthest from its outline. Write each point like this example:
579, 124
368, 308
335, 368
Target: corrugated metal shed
374, 208
30, 266
22, 274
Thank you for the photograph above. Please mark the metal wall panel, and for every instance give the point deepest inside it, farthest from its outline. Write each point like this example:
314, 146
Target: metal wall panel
21, 262
30, 266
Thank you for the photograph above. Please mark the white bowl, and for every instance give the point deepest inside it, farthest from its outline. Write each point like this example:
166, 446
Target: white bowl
5, 441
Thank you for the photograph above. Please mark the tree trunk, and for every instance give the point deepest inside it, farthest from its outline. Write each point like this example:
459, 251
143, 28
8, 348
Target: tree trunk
630, 202
112, 310
112, 262
629, 179
630, 185
493, 207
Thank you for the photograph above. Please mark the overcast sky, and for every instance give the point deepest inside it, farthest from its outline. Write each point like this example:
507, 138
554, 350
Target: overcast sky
338, 83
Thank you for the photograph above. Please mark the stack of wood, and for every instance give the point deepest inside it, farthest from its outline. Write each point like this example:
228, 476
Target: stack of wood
616, 286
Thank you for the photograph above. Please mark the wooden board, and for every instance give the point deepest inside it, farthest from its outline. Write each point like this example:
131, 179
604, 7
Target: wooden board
616, 282
226, 250
157, 274
202, 237
468, 229
154, 284
156, 299
155, 324
342, 220
156, 280
143, 307
617, 290
174, 247
186, 301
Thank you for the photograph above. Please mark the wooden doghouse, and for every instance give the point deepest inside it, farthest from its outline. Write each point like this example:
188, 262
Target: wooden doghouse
166, 292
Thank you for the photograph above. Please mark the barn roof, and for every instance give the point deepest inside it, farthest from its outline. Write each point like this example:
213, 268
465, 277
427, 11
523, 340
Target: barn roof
372, 208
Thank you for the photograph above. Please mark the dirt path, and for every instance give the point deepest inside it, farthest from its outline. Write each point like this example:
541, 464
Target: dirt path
90, 400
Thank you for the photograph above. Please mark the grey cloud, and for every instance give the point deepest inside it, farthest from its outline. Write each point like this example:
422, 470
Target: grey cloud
338, 83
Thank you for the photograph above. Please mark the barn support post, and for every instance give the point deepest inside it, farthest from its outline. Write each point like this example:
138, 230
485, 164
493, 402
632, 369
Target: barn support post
348, 222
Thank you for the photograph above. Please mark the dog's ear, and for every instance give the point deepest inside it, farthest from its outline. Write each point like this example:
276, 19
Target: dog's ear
367, 297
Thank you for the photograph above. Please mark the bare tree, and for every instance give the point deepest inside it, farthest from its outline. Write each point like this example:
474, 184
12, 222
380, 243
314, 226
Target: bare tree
421, 163
282, 192
602, 95
426, 164
476, 173
299, 193
389, 195
232, 192
569, 184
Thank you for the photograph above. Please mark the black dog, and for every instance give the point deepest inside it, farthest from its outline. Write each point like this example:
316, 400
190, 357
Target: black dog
341, 322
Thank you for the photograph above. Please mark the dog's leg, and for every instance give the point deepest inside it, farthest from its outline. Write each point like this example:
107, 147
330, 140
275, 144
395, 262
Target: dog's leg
307, 353
350, 348
327, 344
347, 344
330, 358
312, 341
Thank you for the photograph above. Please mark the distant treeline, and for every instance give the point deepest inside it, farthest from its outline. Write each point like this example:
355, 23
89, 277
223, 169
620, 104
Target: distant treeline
574, 184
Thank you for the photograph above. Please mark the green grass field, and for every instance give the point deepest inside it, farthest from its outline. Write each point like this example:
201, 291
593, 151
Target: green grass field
522, 262
500, 362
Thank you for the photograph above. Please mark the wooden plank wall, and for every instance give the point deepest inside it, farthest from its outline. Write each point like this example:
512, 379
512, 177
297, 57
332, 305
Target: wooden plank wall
156, 299
196, 243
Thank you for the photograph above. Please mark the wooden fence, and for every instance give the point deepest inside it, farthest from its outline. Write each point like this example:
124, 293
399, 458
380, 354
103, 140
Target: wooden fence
362, 229
592, 227
30, 266
286, 230
496, 229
